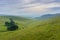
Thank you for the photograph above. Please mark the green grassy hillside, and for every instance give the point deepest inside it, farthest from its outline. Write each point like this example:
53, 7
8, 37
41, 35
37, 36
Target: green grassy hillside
32, 30
20, 21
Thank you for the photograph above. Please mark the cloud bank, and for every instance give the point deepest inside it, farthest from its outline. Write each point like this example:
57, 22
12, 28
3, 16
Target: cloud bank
29, 7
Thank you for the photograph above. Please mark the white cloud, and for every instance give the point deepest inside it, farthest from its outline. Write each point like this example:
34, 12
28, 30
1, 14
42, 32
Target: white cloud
36, 1
41, 7
47, 1
29, 7
26, 1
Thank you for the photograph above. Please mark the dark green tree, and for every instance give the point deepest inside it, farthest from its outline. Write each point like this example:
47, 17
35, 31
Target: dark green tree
11, 26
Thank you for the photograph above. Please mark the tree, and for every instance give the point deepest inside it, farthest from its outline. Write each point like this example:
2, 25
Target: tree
11, 26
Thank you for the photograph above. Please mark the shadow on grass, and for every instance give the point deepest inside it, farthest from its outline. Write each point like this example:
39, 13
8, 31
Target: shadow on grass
3, 31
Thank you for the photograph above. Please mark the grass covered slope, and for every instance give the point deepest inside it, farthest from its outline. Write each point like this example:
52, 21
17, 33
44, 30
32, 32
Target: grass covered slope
20, 21
35, 30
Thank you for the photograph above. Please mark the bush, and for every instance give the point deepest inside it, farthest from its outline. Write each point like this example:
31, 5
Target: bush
11, 26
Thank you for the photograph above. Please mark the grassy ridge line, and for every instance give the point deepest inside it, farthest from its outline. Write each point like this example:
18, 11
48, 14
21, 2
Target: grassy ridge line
39, 30
20, 21
15, 18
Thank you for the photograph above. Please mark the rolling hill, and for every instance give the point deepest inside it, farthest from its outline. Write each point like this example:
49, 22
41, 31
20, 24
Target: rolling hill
15, 17
33, 30
20, 21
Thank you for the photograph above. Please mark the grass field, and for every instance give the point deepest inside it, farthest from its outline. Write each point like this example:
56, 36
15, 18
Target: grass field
48, 29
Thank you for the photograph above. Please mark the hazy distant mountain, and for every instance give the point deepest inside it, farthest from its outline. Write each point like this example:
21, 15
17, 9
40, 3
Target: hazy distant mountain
3, 15
47, 16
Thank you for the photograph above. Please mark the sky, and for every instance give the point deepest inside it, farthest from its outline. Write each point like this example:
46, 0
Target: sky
29, 8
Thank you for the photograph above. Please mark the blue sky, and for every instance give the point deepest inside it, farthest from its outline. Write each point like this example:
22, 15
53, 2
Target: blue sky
30, 8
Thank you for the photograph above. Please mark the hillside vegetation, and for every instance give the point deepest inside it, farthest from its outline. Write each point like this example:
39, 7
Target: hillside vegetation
32, 29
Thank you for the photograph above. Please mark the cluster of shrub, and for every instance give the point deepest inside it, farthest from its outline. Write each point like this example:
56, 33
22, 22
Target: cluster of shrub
11, 26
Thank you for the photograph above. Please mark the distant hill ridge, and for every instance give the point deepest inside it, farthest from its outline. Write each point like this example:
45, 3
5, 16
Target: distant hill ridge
48, 16
14, 17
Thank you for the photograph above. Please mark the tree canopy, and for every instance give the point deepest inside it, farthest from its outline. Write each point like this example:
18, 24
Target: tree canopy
11, 26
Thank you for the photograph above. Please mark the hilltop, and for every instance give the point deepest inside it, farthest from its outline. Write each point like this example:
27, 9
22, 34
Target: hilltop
33, 30
47, 16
